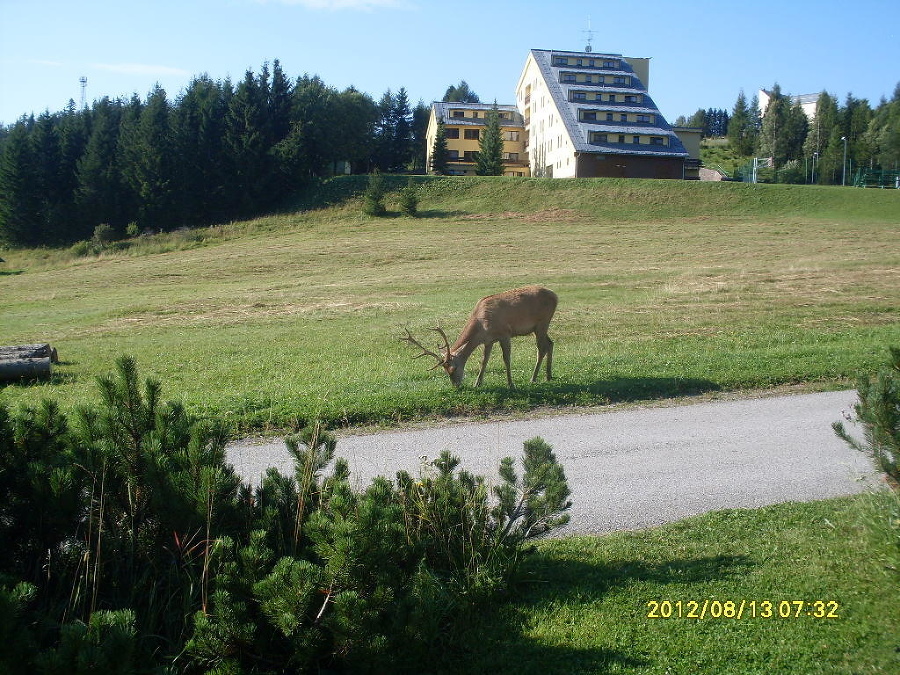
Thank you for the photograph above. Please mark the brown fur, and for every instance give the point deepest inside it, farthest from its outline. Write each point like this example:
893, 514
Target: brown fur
498, 318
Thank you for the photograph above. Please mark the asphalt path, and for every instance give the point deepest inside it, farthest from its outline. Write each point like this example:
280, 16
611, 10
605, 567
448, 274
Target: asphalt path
630, 468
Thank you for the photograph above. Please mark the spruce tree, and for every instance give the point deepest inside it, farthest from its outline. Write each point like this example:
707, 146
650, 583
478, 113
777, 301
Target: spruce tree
100, 192
460, 93
772, 135
740, 133
490, 147
149, 161
439, 156
402, 123
20, 202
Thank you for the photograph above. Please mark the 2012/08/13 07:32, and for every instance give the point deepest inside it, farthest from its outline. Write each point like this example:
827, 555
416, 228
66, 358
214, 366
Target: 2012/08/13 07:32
740, 609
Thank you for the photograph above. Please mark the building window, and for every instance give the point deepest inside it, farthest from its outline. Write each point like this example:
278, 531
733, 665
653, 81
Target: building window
621, 138
610, 64
636, 139
645, 119
511, 156
600, 138
471, 134
451, 133
567, 77
609, 117
470, 155
657, 140
631, 98
457, 113
579, 96
589, 116
452, 154
620, 79
623, 117
510, 135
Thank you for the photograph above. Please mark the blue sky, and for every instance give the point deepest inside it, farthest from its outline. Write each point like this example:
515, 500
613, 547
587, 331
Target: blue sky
703, 53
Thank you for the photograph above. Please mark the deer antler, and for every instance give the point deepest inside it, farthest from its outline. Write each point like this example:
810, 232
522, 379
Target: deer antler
425, 352
440, 331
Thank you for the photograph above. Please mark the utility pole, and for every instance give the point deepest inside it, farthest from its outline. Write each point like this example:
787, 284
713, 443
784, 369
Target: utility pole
844, 165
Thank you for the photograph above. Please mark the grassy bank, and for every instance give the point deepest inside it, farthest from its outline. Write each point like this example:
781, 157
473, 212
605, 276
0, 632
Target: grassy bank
597, 605
666, 288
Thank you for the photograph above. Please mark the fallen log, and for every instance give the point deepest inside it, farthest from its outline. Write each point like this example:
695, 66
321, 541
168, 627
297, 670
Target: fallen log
28, 352
26, 368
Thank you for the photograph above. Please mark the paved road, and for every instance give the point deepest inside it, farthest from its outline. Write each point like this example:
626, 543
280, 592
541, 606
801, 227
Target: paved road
635, 467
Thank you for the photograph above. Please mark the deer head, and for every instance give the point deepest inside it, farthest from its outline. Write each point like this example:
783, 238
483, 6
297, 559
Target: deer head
497, 318
445, 359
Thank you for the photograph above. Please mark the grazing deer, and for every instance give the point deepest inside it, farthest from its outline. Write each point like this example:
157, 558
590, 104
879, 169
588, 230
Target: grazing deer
497, 318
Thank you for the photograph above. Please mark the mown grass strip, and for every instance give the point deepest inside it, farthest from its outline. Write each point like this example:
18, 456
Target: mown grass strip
666, 288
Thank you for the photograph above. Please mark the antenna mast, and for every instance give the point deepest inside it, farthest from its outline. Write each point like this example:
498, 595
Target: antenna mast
83, 81
590, 36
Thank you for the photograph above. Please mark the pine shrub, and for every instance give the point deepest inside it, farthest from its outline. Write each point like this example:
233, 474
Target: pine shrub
878, 411
161, 558
373, 198
409, 199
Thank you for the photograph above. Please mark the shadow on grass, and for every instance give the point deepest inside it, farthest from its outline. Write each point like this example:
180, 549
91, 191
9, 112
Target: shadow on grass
53, 378
613, 390
549, 585
439, 213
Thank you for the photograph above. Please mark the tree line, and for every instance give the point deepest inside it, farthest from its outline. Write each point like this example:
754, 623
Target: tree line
217, 152
810, 150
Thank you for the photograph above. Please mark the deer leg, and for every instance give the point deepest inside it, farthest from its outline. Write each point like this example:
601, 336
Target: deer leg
545, 348
549, 358
505, 348
484, 361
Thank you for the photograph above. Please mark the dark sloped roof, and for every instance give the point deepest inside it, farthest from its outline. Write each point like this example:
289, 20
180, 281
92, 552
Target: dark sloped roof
442, 111
579, 131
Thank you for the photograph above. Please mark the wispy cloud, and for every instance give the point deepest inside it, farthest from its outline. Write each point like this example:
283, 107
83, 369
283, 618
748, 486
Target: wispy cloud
44, 62
140, 69
364, 5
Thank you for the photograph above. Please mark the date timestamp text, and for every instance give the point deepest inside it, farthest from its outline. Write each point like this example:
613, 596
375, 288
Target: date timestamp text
742, 609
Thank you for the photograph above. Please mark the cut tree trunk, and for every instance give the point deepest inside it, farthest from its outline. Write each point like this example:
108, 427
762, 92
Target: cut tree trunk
28, 352
24, 368
19, 362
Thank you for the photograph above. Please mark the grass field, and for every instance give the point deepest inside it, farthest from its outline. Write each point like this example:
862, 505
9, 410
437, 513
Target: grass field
666, 288
583, 605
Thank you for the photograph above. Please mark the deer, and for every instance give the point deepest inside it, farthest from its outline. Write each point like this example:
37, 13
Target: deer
497, 318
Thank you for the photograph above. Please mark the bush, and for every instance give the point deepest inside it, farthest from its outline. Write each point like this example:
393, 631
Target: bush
409, 199
878, 411
373, 198
104, 234
160, 553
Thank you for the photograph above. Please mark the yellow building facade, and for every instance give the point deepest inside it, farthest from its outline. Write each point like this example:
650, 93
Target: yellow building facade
464, 124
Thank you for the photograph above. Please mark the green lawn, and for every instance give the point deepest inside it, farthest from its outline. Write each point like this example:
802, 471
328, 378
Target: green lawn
583, 605
666, 288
